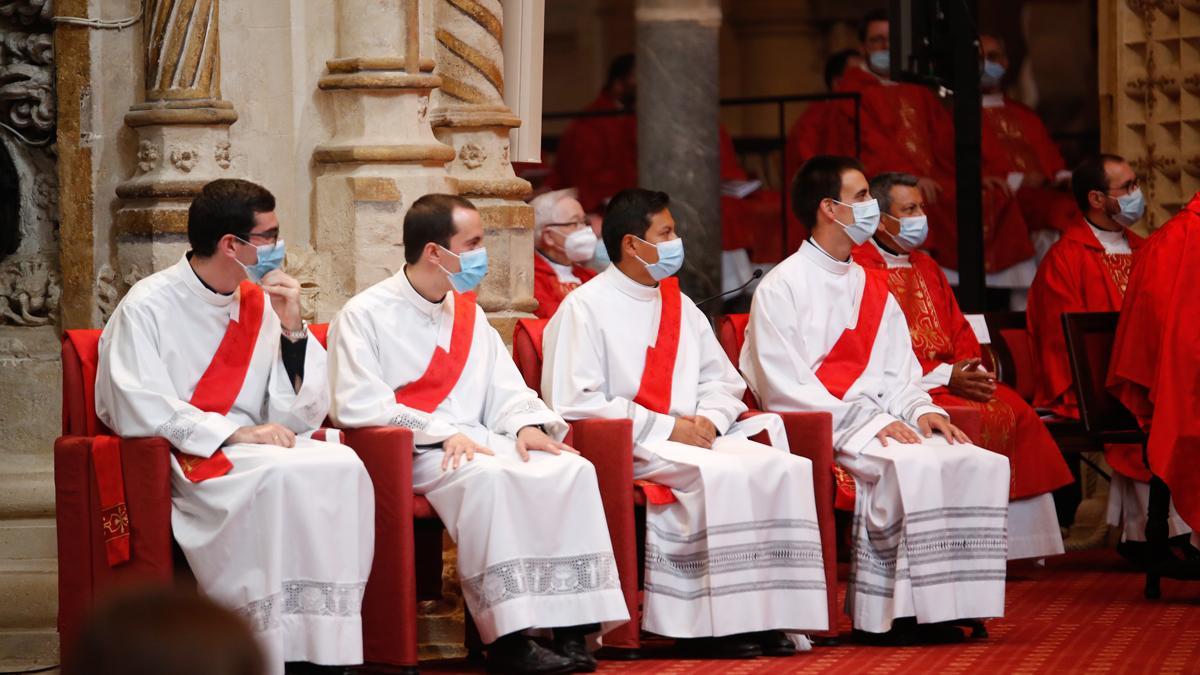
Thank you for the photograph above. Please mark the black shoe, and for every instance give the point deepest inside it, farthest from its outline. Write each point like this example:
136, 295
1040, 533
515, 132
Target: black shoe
939, 633
726, 647
773, 643
572, 644
306, 668
515, 654
902, 634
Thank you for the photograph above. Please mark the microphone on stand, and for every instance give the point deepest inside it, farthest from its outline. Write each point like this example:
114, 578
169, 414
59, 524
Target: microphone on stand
753, 277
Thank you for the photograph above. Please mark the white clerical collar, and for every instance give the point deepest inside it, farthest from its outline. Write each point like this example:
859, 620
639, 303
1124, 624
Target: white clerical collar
813, 251
1114, 243
183, 270
890, 259
565, 273
995, 100
405, 289
628, 286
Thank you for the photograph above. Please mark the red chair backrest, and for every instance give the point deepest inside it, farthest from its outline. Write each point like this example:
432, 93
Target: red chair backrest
79, 405
527, 351
1011, 346
731, 333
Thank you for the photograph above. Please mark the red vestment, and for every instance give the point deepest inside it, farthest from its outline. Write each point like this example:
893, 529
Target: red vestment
906, 128
1155, 369
752, 222
1076, 276
549, 290
598, 155
941, 335
1014, 140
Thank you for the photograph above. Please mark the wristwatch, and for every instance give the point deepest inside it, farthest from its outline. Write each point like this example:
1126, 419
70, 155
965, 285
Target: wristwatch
296, 335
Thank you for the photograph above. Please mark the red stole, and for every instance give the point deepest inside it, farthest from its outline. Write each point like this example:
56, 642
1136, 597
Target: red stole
851, 353
654, 392
445, 367
216, 391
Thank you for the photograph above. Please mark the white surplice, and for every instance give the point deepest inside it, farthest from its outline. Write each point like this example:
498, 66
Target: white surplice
533, 546
930, 518
1033, 530
286, 537
739, 551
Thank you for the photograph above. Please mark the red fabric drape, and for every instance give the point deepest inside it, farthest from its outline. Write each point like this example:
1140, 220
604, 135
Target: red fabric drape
435, 384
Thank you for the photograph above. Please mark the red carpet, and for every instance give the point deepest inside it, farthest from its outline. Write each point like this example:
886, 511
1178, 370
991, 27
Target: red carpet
1082, 613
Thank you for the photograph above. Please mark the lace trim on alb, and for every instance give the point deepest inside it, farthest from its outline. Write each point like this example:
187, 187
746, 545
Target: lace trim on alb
180, 426
315, 598
526, 577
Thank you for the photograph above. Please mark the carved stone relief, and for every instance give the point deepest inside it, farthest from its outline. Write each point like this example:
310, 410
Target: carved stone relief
472, 155
222, 155
147, 156
30, 290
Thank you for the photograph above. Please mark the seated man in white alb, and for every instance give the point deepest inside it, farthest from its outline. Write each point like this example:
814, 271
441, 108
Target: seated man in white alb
275, 525
734, 557
931, 511
416, 351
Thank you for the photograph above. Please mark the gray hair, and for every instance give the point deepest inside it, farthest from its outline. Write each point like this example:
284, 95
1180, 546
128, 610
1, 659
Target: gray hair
881, 187
543, 208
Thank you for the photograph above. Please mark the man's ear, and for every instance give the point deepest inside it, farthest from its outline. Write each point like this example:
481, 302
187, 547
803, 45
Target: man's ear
227, 245
432, 253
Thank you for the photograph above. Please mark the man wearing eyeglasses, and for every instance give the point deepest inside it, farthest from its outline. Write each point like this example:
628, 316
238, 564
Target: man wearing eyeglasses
563, 241
211, 354
1088, 271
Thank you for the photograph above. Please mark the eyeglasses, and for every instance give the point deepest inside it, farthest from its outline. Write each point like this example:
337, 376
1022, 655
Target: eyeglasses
268, 237
572, 224
1126, 188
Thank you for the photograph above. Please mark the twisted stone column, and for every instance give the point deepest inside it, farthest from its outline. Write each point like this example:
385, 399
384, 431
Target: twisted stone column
182, 128
469, 114
383, 155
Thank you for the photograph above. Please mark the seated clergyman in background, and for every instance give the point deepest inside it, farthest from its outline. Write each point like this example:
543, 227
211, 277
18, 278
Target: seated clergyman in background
929, 532
274, 525
1087, 271
416, 351
950, 357
563, 242
735, 551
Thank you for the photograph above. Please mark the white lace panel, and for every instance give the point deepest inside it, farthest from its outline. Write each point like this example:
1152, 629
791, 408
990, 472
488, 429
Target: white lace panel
318, 598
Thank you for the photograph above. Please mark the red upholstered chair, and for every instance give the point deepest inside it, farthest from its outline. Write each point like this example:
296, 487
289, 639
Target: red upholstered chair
390, 601
608, 444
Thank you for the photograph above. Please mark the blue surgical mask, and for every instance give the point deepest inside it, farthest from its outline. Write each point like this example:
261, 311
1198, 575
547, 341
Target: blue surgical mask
472, 267
670, 258
866, 221
880, 61
600, 260
1133, 206
270, 257
913, 231
992, 74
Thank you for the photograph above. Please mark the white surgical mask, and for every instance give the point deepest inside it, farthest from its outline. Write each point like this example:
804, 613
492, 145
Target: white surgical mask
866, 220
580, 245
913, 231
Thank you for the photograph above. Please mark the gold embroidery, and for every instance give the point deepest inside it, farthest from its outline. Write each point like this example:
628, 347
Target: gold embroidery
115, 522
1119, 266
930, 340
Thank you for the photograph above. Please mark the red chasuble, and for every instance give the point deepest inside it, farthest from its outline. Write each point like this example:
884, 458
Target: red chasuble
1015, 140
427, 392
753, 222
1076, 276
1155, 369
548, 290
216, 392
940, 334
598, 155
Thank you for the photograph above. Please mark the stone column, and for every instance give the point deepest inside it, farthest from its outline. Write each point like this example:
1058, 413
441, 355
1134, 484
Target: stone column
383, 155
678, 149
182, 128
470, 115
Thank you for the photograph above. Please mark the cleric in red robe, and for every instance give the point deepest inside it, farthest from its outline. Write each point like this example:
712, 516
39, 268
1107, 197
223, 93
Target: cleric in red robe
563, 241
598, 155
1018, 153
1088, 271
950, 357
1155, 367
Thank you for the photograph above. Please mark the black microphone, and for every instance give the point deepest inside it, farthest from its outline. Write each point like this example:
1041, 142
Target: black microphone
753, 277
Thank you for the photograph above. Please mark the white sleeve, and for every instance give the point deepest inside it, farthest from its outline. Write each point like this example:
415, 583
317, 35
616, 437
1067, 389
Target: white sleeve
360, 396
510, 405
721, 386
775, 361
938, 377
573, 377
908, 400
135, 397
